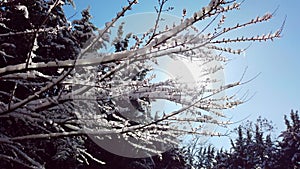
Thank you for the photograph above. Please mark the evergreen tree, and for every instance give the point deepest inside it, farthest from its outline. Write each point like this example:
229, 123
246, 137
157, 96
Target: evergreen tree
202, 157
251, 149
83, 28
35, 31
290, 144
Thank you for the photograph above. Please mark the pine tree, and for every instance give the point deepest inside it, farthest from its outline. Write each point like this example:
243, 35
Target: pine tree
252, 149
290, 144
83, 28
35, 31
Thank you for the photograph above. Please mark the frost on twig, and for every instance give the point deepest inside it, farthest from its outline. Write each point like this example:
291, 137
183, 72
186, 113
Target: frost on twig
67, 89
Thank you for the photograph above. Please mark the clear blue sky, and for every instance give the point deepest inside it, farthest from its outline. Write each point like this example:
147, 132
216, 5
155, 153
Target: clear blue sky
277, 88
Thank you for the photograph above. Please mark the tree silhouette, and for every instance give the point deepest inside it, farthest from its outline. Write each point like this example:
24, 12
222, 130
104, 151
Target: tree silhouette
252, 148
289, 146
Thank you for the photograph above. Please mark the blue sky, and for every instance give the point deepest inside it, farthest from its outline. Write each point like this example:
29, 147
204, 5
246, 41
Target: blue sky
277, 88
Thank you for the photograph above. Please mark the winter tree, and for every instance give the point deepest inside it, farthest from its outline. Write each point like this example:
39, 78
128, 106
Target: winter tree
253, 147
290, 145
60, 92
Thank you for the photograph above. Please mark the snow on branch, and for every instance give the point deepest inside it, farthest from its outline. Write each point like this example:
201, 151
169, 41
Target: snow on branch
102, 94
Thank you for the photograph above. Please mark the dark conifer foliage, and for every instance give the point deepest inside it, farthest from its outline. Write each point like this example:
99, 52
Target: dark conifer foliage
34, 31
290, 144
253, 148
83, 28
